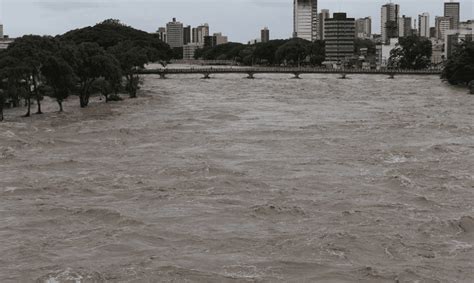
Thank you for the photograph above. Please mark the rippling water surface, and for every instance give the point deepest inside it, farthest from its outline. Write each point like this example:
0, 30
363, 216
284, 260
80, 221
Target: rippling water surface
229, 179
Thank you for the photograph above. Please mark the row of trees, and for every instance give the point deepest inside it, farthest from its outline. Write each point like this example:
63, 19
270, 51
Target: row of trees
459, 69
101, 59
413, 52
294, 51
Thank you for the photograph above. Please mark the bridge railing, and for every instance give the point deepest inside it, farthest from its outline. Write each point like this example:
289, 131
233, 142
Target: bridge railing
300, 70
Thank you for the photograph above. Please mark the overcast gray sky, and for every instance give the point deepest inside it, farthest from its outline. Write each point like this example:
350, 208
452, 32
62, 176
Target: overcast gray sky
241, 20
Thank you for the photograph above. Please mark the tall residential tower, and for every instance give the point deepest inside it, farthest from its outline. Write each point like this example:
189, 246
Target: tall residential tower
452, 10
305, 19
389, 23
174, 34
424, 25
321, 20
340, 37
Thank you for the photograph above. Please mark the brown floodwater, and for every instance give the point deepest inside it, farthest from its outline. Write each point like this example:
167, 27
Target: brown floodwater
235, 180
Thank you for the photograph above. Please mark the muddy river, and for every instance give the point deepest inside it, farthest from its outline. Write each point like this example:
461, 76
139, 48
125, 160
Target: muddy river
236, 180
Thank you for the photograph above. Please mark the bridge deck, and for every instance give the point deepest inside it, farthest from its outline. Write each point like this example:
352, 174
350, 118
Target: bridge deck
262, 70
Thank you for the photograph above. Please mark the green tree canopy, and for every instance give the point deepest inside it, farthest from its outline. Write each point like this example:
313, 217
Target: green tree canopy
412, 52
460, 66
293, 52
30, 52
106, 34
59, 78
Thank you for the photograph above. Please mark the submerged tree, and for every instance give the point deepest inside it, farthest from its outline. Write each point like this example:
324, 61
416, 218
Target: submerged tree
460, 66
31, 51
59, 78
294, 52
317, 52
131, 58
92, 63
412, 52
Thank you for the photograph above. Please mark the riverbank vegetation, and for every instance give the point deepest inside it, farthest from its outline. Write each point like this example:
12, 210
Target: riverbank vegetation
413, 52
459, 69
102, 59
292, 52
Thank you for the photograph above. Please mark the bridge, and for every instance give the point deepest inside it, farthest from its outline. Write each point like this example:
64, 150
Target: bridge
252, 71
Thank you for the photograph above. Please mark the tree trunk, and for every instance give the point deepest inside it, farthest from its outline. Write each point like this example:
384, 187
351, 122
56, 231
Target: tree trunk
38, 100
60, 103
82, 101
28, 102
37, 95
134, 80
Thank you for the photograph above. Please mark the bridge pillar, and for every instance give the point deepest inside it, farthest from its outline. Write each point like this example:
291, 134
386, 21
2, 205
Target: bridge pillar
391, 76
297, 76
206, 76
250, 76
343, 76
162, 76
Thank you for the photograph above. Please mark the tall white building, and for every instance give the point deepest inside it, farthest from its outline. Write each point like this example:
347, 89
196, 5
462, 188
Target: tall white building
389, 21
321, 21
174, 34
305, 19
443, 24
404, 26
199, 33
424, 25
364, 28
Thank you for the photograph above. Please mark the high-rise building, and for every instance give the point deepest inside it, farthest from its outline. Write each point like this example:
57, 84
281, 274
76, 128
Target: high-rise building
424, 25
305, 19
187, 35
210, 41
1, 31
442, 25
265, 35
389, 21
220, 39
162, 34
174, 34
433, 32
404, 26
199, 33
321, 20
364, 28
452, 9
340, 36
189, 50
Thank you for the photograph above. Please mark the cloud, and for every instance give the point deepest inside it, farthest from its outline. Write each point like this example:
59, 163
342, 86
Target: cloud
65, 6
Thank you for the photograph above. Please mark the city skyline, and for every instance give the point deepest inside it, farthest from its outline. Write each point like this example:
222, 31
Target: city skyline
54, 17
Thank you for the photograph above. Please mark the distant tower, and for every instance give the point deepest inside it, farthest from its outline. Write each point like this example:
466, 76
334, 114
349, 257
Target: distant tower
364, 27
162, 34
187, 35
265, 35
199, 33
321, 20
443, 24
452, 10
174, 34
389, 21
305, 19
340, 37
424, 25
404, 26
1, 31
